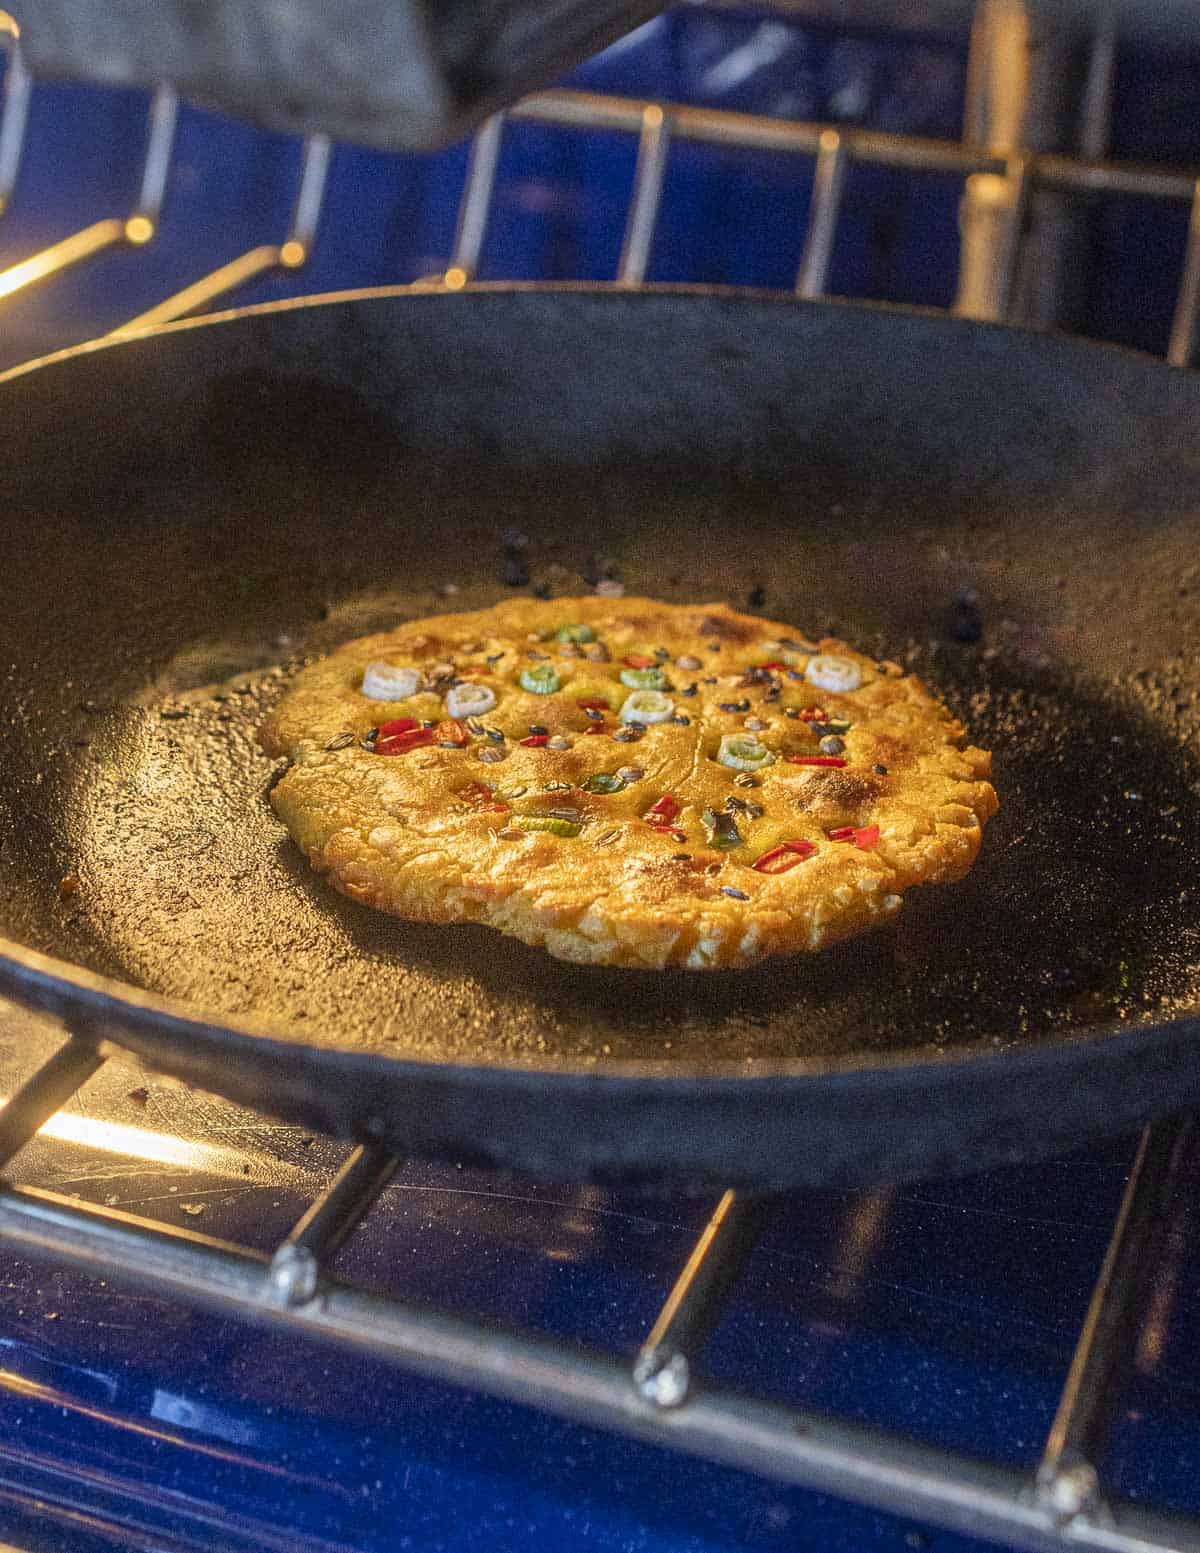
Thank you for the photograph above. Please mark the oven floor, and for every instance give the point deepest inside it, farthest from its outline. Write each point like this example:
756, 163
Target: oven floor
945, 1311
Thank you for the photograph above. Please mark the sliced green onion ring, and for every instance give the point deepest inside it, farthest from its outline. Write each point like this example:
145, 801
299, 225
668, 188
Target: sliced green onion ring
646, 706
741, 752
830, 671
384, 682
549, 823
540, 681
469, 700
643, 679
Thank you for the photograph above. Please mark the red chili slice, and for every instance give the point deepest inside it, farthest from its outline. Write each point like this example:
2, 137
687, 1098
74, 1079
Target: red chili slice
664, 811
535, 741
451, 732
397, 725
865, 836
773, 664
401, 743
594, 704
779, 859
775, 862
637, 660
596, 728
816, 760
814, 714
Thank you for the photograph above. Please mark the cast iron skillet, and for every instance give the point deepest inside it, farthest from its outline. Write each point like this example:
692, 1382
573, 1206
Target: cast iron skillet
192, 513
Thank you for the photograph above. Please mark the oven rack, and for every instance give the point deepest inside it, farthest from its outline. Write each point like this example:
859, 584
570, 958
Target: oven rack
1018, 177
661, 1397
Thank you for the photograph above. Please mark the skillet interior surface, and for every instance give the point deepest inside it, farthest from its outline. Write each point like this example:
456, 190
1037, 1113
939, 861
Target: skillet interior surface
195, 513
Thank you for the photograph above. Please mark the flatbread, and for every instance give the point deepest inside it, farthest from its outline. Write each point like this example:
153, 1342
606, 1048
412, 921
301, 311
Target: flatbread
717, 802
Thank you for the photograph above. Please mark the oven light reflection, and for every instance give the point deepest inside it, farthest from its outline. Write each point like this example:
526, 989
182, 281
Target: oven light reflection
860, 1242
35, 1391
62, 255
158, 1148
1164, 1297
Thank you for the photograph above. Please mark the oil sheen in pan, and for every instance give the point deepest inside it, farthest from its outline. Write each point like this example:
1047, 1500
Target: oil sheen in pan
1079, 909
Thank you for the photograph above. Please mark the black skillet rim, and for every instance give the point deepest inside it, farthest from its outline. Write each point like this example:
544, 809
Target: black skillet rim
123, 1013
758, 295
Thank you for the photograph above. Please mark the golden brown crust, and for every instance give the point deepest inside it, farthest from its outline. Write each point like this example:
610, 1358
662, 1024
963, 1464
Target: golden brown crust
433, 834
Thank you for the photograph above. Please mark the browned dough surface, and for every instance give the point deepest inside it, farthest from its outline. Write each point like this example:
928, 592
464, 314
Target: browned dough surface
434, 834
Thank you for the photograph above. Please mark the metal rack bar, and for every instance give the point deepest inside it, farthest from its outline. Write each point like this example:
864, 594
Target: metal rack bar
654, 144
1072, 176
1182, 347
137, 228
14, 116
62, 255
246, 267
1060, 1508
1095, 115
295, 1267
164, 114
868, 1466
92, 1238
1020, 179
714, 126
1067, 1477
1028, 173
829, 179
721, 127
475, 204
46, 1092
656, 125
291, 254
662, 1370
995, 111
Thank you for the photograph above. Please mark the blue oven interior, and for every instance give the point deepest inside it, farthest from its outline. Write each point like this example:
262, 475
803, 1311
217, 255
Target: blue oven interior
728, 216
946, 1311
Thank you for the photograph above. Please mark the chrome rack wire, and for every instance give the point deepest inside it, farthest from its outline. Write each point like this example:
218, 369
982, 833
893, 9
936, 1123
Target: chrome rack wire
835, 150
1022, 174
660, 1397
15, 111
657, 126
290, 254
136, 228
